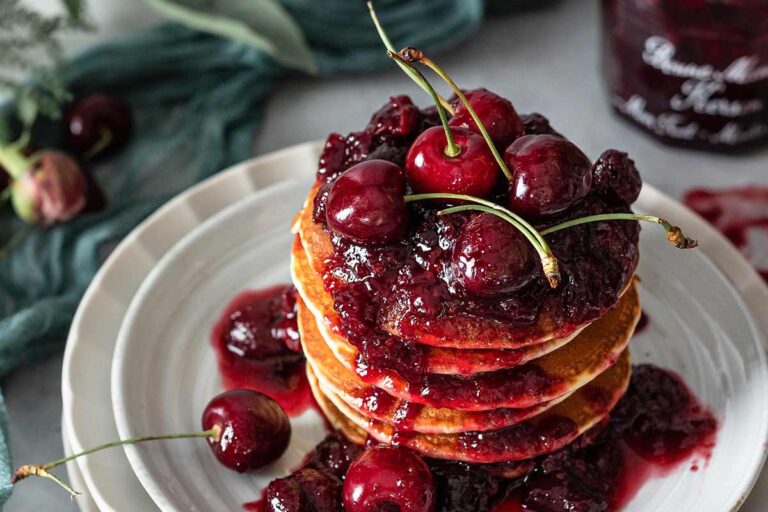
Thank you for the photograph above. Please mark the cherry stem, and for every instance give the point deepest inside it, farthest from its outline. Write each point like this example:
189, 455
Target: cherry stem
42, 470
674, 233
410, 71
451, 150
414, 55
14, 161
548, 260
105, 139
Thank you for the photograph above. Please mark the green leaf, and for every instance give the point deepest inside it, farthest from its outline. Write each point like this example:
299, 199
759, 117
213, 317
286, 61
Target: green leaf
26, 108
262, 23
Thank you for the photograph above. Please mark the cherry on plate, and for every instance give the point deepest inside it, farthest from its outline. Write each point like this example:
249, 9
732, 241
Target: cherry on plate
389, 478
429, 169
551, 175
252, 429
366, 204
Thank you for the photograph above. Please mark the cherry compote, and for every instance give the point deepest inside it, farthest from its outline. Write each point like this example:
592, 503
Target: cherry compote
658, 425
492, 257
550, 175
497, 114
429, 168
257, 345
379, 289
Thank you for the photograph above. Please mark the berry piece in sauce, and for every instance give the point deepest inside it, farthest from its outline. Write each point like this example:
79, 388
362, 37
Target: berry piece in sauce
615, 176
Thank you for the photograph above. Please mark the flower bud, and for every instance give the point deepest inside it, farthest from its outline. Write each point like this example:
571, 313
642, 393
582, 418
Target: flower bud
54, 189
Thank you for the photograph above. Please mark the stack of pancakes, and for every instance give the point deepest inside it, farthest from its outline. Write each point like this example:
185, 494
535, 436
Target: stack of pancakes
586, 374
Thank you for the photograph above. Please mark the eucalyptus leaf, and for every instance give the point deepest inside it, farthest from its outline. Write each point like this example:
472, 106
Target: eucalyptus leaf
261, 23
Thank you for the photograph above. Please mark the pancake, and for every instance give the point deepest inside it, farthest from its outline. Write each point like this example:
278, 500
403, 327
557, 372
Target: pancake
452, 361
449, 331
376, 403
537, 436
540, 381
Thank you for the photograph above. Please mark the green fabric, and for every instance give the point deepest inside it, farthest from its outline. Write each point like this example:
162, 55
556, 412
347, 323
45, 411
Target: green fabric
198, 99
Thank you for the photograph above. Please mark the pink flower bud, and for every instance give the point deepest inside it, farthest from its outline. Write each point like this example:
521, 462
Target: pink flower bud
54, 189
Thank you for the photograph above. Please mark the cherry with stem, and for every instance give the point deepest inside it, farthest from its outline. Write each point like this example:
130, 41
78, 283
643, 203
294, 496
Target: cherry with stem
43, 470
674, 233
409, 70
548, 260
246, 430
414, 55
451, 149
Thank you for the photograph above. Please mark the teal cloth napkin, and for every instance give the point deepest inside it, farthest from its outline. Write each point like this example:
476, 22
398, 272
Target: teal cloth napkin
197, 99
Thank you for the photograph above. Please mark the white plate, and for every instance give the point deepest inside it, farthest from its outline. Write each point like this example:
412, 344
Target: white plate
174, 363
84, 501
87, 403
86, 373
164, 371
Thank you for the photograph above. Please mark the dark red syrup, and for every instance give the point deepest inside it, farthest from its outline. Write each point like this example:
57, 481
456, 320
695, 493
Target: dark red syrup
409, 285
658, 425
256, 340
741, 214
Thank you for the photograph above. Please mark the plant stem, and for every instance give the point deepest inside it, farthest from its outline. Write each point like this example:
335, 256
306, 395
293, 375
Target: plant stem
674, 233
451, 150
408, 70
105, 139
14, 161
43, 469
548, 260
411, 54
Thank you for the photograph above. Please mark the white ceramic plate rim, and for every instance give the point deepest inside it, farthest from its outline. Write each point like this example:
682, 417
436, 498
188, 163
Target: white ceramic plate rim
717, 248
78, 337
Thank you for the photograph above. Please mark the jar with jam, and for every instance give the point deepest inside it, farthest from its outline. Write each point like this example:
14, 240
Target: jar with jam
690, 72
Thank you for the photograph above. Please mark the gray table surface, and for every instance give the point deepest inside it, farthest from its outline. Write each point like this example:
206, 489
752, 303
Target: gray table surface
544, 61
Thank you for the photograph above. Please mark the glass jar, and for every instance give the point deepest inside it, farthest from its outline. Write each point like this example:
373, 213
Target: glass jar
690, 72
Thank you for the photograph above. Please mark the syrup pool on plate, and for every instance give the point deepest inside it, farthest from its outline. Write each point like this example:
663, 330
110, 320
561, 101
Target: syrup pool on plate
741, 214
659, 426
256, 340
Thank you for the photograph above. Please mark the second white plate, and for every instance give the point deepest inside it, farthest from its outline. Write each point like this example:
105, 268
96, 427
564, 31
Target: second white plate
164, 370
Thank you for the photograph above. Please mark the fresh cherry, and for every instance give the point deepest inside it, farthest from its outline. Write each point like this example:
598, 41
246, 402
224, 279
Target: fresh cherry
495, 112
252, 429
98, 123
366, 204
615, 176
429, 169
389, 478
551, 175
492, 257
